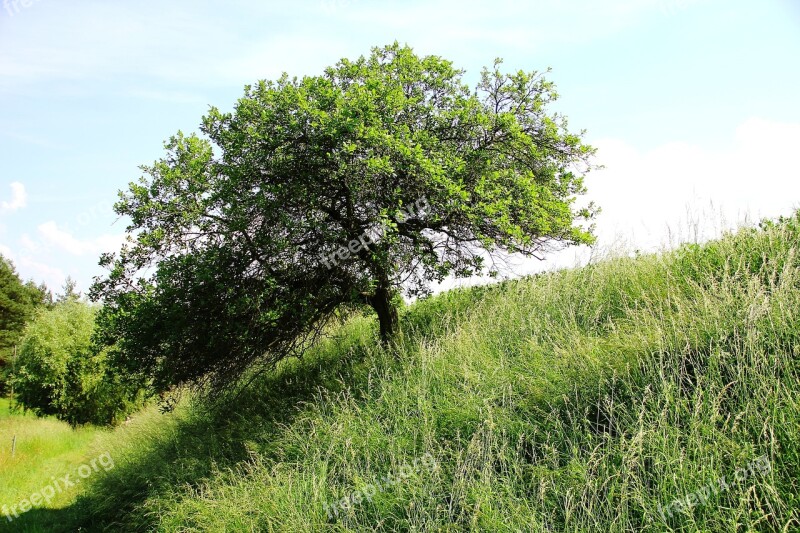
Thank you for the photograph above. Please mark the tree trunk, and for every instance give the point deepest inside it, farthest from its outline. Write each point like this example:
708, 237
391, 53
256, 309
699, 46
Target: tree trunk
383, 305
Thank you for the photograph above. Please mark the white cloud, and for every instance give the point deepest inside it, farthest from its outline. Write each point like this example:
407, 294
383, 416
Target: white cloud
52, 276
680, 192
29, 268
19, 198
64, 240
647, 196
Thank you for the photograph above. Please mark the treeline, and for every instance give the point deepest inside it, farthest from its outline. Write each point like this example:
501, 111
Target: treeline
18, 304
49, 363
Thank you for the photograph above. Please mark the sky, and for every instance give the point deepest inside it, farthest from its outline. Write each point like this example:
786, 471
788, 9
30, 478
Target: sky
692, 104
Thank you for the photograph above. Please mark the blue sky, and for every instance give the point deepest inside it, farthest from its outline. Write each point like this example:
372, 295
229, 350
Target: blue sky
692, 103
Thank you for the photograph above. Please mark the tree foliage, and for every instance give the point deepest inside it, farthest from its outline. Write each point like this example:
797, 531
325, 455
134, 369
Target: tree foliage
60, 372
68, 292
18, 302
299, 202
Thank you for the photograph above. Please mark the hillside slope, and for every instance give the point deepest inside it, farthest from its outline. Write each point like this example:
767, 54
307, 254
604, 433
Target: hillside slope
583, 400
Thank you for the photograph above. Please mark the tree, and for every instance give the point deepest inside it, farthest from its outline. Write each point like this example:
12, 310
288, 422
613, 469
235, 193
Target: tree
381, 175
60, 372
68, 292
18, 302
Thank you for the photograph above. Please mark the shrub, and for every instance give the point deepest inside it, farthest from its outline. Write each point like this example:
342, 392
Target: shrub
60, 372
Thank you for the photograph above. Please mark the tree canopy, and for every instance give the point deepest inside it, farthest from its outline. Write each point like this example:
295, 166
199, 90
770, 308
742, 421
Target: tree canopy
60, 372
380, 176
18, 302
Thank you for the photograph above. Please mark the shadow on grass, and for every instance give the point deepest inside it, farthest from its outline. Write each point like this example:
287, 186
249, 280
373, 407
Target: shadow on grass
211, 439
40, 520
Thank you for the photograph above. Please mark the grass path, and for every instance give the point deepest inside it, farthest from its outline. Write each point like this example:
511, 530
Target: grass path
45, 448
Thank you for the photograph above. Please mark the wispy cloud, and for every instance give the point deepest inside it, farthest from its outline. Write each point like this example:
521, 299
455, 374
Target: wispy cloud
203, 44
60, 238
19, 198
30, 268
28, 244
52, 276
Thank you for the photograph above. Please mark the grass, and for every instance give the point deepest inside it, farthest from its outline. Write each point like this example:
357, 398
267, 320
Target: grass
581, 400
43, 449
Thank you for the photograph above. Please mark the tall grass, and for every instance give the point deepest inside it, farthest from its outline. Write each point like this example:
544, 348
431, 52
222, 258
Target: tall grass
42, 448
581, 400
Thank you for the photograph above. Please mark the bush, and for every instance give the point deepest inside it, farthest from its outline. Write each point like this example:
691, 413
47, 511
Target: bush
60, 372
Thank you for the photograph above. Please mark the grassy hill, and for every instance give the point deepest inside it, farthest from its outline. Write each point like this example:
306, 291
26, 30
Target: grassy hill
584, 400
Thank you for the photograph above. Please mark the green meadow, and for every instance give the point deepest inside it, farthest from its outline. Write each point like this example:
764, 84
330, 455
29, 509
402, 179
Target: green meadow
588, 399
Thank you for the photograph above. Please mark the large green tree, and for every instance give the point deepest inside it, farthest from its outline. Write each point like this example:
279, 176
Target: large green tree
383, 174
18, 302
